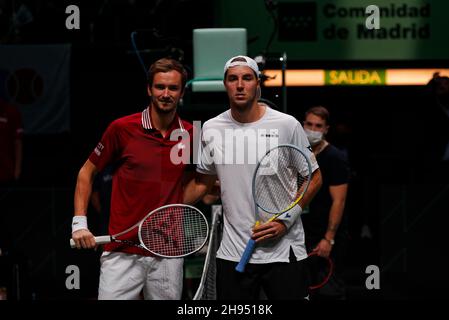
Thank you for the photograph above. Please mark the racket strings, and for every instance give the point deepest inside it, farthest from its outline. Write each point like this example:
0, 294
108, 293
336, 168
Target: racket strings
174, 231
280, 179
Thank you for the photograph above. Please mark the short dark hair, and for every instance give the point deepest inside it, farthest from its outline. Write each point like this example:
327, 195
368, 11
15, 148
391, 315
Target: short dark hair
166, 65
319, 111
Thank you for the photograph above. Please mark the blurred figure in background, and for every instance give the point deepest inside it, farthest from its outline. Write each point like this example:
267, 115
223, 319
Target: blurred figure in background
437, 118
432, 140
11, 131
324, 226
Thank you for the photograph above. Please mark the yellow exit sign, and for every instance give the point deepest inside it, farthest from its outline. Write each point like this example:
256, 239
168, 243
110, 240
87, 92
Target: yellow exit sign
363, 77
368, 77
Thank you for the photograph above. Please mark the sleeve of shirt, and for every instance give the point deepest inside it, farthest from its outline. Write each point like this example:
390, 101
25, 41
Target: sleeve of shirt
107, 150
340, 173
300, 140
206, 155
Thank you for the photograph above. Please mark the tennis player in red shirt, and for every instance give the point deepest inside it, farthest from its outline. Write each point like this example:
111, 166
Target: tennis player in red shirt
145, 178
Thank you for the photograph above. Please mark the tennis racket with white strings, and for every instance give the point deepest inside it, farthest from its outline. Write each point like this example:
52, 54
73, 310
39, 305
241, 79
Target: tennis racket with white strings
171, 231
280, 181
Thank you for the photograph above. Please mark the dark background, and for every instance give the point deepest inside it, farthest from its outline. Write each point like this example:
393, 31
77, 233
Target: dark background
399, 189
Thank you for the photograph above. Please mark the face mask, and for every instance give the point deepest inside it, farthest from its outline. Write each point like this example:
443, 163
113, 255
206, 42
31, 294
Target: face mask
314, 137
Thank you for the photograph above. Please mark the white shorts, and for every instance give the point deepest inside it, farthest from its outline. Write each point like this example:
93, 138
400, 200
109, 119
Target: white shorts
125, 276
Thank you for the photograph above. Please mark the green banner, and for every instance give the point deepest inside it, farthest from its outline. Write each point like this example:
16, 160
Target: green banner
340, 29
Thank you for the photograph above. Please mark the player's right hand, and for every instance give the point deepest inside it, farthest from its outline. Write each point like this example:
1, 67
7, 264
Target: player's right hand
269, 230
84, 239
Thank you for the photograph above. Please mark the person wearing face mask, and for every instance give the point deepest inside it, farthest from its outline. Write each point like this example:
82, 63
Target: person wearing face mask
324, 226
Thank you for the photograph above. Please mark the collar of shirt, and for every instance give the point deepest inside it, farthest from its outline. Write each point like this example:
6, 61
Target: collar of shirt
147, 124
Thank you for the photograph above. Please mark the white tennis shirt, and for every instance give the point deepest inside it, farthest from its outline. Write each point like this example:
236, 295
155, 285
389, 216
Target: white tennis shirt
231, 150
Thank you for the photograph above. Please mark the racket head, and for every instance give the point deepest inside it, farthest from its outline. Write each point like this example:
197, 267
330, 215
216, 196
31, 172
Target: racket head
280, 180
174, 231
325, 267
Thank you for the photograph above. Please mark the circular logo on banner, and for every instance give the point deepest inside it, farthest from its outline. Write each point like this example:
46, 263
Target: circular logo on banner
24, 86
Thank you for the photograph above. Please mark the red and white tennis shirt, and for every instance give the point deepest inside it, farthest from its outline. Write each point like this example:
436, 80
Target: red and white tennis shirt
145, 177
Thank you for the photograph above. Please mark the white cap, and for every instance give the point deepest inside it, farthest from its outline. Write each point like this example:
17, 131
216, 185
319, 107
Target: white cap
248, 63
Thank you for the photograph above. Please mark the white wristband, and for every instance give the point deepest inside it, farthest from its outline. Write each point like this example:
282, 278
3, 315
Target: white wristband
291, 216
78, 223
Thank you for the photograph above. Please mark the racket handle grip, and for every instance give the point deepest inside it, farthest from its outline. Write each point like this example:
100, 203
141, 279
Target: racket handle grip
98, 240
103, 240
246, 255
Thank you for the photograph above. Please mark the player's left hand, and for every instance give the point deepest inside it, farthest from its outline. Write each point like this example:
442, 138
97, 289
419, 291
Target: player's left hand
323, 248
269, 231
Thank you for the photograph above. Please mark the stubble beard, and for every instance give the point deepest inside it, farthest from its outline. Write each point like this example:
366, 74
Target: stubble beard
242, 106
160, 109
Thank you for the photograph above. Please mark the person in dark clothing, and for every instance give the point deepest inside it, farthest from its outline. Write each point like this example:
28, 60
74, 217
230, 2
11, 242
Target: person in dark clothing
436, 120
324, 225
